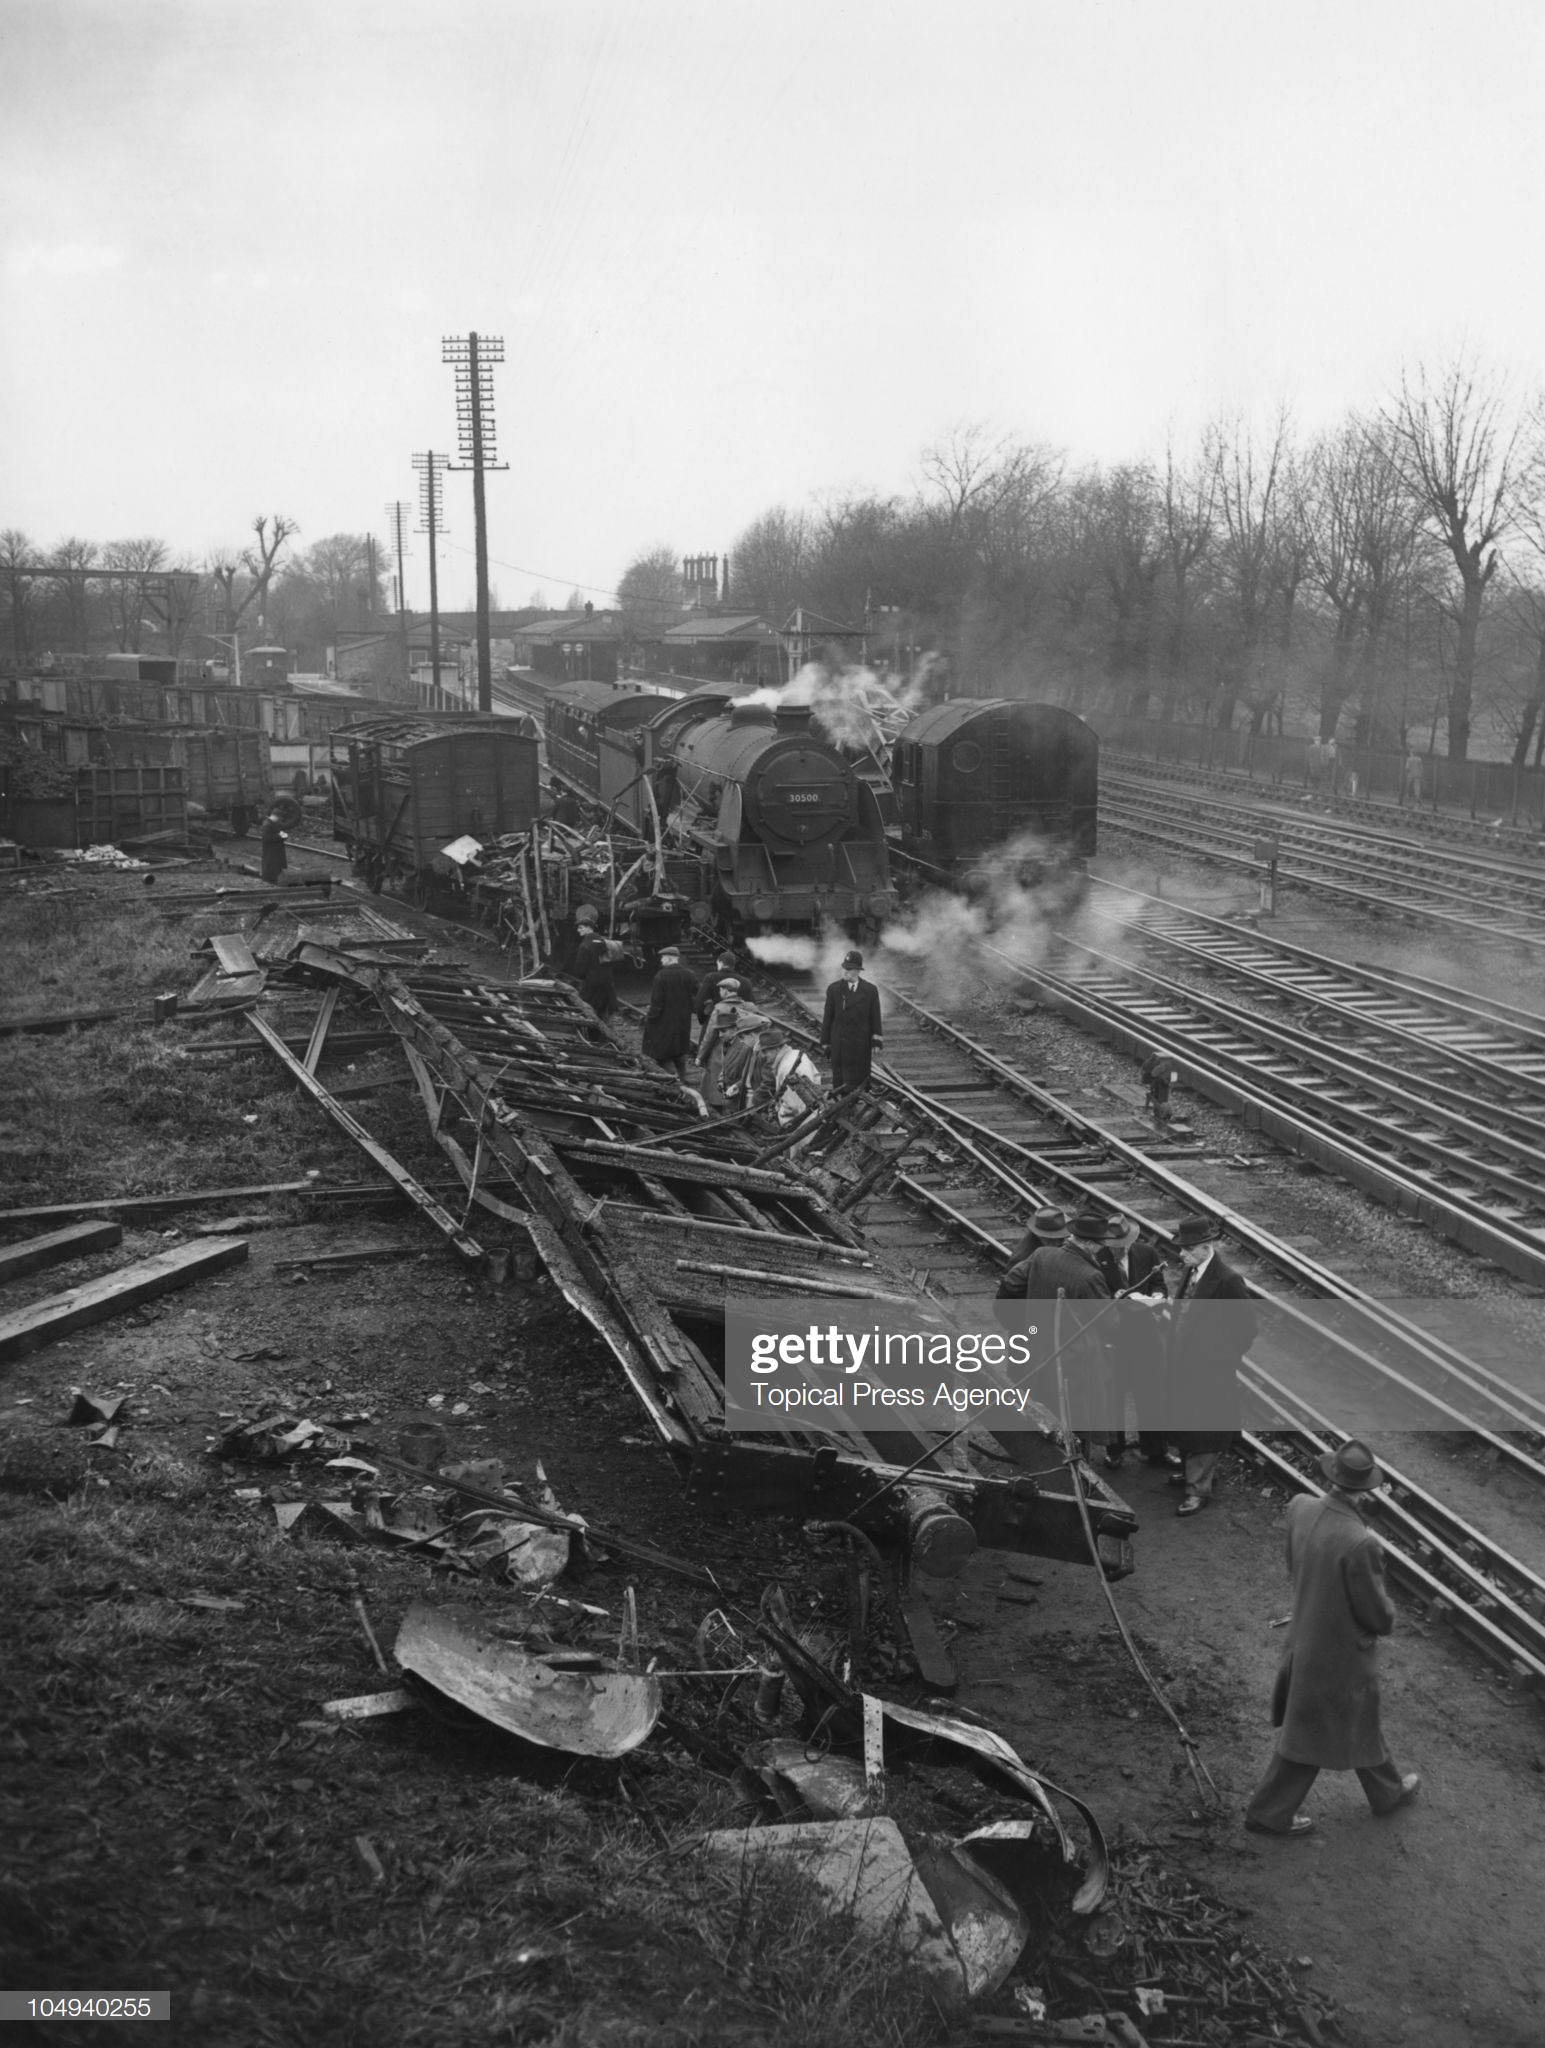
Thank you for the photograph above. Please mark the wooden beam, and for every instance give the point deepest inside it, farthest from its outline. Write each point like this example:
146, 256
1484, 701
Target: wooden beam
59, 1245
442, 1219
28, 1328
338, 1043
318, 1039
153, 1205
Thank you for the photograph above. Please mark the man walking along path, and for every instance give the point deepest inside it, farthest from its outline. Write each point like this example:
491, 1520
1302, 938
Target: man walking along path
1326, 1698
850, 1027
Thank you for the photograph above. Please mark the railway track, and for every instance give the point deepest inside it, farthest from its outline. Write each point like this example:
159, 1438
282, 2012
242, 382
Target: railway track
1005, 1144
1002, 1144
1384, 872
1458, 1142
1422, 821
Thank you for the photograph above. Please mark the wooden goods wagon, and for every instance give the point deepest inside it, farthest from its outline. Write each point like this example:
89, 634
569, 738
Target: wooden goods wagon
405, 788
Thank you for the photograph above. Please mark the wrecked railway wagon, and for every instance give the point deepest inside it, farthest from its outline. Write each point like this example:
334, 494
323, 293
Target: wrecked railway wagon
649, 1219
405, 788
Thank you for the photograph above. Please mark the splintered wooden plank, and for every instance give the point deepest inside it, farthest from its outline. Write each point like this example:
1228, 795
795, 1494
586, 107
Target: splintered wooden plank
319, 1030
221, 991
441, 1218
56, 1247
233, 953
96, 1300
155, 1205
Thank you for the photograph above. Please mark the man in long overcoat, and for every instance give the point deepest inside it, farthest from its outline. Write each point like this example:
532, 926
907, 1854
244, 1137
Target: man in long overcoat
851, 1030
1326, 1699
1132, 1265
668, 1023
1212, 1325
274, 860
1065, 1262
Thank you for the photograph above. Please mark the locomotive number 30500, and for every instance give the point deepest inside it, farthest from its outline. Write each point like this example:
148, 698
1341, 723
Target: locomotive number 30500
804, 796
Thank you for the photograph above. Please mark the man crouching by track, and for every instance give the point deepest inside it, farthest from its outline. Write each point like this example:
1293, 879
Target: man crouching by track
1055, 1259
1326, 1697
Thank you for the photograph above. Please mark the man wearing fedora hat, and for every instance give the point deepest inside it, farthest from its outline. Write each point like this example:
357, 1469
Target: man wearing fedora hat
850, 1027
1326, 1698
1133, 1269
1212, 1326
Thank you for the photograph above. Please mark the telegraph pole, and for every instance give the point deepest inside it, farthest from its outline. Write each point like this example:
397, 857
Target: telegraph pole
397, 511
431, 469
473, 357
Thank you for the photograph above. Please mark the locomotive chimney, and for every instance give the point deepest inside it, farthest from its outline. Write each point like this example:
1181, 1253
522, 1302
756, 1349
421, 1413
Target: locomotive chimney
791, 716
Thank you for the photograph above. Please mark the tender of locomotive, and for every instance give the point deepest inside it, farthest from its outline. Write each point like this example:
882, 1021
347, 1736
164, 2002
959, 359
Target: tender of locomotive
976, 775
405, 788
788, 834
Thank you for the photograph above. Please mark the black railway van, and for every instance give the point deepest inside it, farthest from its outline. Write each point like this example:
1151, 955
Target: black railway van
405, 788
975, 775
577, 715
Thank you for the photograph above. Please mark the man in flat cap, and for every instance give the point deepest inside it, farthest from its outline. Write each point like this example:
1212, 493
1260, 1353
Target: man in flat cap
578, 944
668, 1022
711, 987
1212, 1326
1325, 1702
851, 1031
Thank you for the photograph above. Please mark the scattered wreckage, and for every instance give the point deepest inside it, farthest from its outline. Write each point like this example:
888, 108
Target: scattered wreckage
649, 1219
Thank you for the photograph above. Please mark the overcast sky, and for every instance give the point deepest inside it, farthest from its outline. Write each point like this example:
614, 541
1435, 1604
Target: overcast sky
740, 251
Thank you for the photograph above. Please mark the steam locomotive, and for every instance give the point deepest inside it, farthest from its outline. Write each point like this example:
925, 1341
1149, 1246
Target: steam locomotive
776, 828
791, 836
771, 829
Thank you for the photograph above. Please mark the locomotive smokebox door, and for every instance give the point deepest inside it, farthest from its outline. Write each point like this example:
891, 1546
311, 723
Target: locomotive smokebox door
801, 798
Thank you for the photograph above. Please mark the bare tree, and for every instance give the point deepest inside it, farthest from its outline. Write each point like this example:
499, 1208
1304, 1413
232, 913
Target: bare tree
16, 549
1249, 474
773, 561
70, 593
1130, 553
1188, 502
1461, 449
649, 592
273, 530
137, 560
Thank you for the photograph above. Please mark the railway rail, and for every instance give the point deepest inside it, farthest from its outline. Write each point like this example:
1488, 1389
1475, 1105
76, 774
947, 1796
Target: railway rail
1463, 1159
1419, 820
1002, 1143
1003, 1156
1384, 872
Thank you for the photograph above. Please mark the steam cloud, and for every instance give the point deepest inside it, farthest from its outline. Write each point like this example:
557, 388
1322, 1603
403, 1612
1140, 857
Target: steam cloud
853, 706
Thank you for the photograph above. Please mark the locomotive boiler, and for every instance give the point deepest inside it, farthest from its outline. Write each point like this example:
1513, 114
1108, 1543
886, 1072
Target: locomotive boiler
790, 836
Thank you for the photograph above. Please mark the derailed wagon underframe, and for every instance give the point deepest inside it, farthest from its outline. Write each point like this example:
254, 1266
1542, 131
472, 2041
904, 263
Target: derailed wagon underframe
498, 1068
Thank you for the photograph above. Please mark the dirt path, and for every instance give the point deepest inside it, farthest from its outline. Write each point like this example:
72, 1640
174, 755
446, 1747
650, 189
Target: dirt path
1427, 1926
